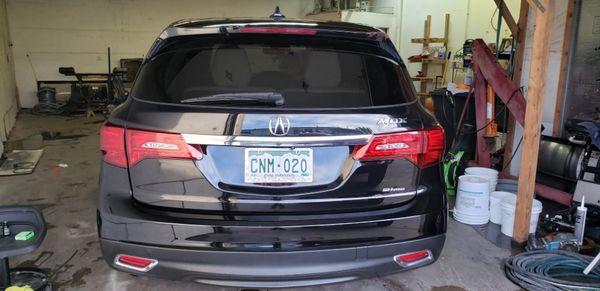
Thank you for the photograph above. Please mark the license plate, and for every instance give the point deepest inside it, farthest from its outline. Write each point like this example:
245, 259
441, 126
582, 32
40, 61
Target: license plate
268, 165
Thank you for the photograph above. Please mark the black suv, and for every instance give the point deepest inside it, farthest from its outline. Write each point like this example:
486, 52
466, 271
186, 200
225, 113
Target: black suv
271, 153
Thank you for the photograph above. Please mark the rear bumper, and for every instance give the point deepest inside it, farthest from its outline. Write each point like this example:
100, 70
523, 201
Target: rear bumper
273, 269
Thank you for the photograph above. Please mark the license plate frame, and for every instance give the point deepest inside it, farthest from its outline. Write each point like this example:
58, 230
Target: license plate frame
278, 165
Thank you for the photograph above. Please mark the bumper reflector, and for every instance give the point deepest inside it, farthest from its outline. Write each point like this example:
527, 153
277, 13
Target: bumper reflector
135, 263
414, 258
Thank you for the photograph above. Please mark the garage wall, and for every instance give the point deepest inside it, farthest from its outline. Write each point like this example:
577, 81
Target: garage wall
8, 91
553, 72
48, 34
468, 19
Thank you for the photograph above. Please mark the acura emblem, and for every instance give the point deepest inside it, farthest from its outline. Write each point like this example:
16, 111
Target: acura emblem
279, 125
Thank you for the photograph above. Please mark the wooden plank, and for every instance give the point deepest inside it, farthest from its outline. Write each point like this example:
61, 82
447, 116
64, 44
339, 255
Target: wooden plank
504, 87
426, 79
431, 61
424, 66
538, 5
517, 72
508, 18
483, 152
533, 121
431, 40
564, 64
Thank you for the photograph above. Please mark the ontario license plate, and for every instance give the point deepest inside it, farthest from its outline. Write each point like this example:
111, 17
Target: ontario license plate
269, 165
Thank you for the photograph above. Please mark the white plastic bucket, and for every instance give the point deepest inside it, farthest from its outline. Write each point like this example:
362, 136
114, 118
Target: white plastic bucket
472, 200
495, 209
490, 174
508, 206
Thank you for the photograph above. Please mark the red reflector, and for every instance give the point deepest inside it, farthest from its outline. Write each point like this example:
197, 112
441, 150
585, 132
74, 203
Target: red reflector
411, 259
142, 144
135, 263
112, 145
282, 30
421, 147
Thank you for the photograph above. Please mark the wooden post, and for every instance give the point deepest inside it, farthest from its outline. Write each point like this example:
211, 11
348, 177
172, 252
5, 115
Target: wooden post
564, 64
544, 13
518, 70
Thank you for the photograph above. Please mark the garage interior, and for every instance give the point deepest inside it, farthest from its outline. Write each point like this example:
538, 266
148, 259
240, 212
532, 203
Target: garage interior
514, 83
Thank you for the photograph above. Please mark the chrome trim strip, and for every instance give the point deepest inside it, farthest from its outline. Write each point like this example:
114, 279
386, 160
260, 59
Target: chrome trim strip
206, 199
233, 140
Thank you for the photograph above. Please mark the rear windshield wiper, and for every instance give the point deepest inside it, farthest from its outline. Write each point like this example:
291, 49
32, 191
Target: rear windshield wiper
268, 98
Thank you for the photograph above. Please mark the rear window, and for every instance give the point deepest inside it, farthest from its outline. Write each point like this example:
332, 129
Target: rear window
307, 73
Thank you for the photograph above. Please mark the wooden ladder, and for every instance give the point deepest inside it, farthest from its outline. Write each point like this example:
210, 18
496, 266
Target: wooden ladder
425, 62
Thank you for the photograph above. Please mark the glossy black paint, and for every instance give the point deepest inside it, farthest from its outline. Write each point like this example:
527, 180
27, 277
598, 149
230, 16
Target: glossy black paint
227, 222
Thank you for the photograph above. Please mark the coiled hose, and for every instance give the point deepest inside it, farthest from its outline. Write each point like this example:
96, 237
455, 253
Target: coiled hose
551, 270
47, 104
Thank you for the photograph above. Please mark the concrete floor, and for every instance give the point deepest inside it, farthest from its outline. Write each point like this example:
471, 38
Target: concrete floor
70, 252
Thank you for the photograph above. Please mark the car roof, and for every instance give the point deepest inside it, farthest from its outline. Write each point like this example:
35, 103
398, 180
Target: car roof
320, 24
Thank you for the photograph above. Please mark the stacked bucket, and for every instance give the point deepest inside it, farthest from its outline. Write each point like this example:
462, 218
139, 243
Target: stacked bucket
478, 202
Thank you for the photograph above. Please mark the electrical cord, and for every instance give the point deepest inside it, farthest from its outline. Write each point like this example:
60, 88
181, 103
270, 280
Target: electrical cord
513, 154
497, 113
551, 270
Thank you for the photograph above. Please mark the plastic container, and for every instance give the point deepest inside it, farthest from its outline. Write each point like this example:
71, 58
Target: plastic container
495, 209
508, 206
472, 200
490, 174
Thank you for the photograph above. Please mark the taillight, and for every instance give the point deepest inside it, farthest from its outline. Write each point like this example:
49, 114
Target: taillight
126, 147
422, 147
135, 263
112, 145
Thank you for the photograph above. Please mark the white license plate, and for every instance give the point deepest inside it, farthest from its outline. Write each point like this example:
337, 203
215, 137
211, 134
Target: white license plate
269, 165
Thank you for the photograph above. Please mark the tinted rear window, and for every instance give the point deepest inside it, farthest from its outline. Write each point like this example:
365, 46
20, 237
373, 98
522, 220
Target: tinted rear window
307, 73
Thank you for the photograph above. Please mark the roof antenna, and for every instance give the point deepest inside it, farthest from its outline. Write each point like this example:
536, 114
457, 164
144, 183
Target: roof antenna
277, 14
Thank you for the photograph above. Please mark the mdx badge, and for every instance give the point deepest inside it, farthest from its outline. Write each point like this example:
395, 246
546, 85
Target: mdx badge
398, 120
279, 125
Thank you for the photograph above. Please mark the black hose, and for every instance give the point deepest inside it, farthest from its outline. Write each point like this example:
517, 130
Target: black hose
551, 270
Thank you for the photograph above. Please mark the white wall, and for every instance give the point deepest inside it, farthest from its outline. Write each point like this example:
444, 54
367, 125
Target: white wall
49, 34
8, 94
468, 19
553, 72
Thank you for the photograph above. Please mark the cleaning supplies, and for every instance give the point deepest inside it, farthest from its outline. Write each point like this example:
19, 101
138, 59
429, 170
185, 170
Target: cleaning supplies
24, 235
580, 221
5, 229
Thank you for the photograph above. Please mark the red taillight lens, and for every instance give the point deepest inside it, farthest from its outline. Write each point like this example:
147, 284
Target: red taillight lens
135, 263
112, 145
421, 147
411, 259
281, 30
120, 146
142, 144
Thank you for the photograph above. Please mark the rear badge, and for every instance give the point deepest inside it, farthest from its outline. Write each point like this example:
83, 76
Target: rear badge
279, 125
384, 121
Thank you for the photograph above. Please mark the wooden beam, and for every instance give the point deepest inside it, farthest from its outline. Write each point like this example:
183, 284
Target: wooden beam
508, 18
483, 151
517, 71
497, 77
564, 65
533, 120
539, 5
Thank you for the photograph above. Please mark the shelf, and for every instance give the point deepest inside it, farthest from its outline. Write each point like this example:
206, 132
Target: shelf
431, 40
422, 79
422, 94
430, 61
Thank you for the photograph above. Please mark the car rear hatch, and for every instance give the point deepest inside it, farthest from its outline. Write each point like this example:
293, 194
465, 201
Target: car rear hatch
277, 122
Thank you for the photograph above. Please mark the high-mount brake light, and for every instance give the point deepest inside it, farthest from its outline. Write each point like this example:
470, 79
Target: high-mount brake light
422, 147
279, 30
